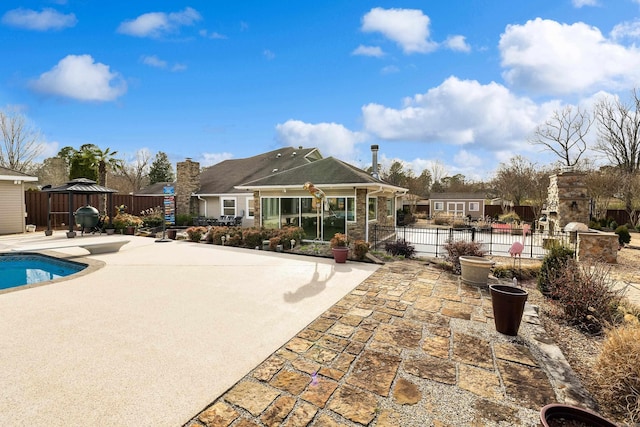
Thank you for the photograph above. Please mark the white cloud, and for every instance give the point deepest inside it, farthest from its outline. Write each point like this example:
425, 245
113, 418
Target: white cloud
626, 30
459, 112
457, 43
47, 19
580, 3
409, 28
390, 69
156, 24
154, 61
79, 77
178, 68
331, 139
210, 159
214, 35
368, 51
547, 57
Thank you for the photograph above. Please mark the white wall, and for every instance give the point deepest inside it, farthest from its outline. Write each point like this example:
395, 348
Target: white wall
12, 207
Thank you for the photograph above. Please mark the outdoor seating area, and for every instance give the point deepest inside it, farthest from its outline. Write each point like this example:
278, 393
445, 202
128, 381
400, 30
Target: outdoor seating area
222, 220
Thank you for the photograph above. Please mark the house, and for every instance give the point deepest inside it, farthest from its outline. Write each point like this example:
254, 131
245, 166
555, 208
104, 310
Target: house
457, 204
12, 208
215, 193
350, 200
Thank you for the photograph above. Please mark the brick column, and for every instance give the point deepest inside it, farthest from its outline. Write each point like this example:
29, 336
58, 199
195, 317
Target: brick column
187, 182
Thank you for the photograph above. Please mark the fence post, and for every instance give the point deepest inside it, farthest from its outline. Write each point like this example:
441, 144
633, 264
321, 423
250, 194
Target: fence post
490, 240
473, 234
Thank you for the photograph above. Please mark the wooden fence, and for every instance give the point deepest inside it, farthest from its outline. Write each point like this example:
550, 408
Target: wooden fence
36, 205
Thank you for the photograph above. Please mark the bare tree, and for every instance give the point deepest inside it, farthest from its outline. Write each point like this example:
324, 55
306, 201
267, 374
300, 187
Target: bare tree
602, 185
515, 181
20, 142
137, 171
564, 134
619, 140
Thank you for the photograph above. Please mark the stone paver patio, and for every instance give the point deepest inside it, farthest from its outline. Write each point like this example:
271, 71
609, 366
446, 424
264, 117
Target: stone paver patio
410, 346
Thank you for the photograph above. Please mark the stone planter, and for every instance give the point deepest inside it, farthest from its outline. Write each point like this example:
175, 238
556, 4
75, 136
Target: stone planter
475, 270
110, 230
340, 254
508, 307
551, 415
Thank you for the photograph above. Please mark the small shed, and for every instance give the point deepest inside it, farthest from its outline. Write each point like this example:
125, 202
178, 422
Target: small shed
12, 208
76, 186
457, 204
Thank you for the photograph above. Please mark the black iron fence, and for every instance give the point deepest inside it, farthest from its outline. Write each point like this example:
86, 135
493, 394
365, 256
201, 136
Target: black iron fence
431, 241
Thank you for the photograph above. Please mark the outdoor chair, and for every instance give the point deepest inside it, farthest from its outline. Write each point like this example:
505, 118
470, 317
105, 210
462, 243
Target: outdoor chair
237, 221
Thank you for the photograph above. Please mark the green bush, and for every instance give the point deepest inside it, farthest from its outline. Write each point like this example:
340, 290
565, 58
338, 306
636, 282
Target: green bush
595, 225
509, 217
456, 249
553, 263
184, 219
623, 235
613, 225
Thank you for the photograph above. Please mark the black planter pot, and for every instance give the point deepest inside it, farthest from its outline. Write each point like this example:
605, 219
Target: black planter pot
508, 307
556, 412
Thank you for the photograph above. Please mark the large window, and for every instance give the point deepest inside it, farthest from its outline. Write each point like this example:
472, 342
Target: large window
270, 212
289, 211
373, 208
229, 206
250, 207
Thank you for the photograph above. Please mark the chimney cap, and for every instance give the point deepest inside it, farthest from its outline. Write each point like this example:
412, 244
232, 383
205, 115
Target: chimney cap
374, 147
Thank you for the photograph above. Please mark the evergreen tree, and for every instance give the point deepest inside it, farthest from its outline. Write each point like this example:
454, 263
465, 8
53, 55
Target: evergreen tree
161, 169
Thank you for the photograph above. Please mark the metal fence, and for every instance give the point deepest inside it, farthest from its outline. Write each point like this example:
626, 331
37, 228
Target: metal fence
431, 241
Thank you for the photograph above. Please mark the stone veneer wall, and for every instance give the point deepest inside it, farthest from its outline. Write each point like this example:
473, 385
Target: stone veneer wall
257, 215
598, 246
187, 182
356, 230
564, 189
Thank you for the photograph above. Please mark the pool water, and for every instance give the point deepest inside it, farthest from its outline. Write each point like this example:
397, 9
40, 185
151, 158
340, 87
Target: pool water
26, 269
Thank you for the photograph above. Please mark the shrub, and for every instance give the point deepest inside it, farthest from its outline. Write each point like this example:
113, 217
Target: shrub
595, 225
400, 248
253, 237
215, 234
360, 249
613, 224
618, 368
623, 235
196, 233
442, 219
184, 219
339, 240
585, 293
509, 217
553, 262
456, 249
122, 220
523, 273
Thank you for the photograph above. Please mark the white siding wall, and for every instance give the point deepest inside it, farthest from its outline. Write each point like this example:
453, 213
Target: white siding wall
12, 208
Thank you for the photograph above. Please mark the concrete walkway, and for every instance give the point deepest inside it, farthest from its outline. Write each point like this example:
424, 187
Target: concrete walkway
156, 334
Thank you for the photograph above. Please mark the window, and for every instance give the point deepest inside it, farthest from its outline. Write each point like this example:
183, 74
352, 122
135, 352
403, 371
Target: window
270, 212
250, 207
455, 208
390, 203
373, 208
438, 206
229, 206
474, 206
351, 209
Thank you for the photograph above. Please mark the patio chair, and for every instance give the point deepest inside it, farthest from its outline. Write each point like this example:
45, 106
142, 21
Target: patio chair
237, 221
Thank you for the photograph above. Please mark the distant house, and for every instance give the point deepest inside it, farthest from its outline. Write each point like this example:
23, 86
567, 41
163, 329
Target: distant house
218, 195
355, 200
457, 204
12, 208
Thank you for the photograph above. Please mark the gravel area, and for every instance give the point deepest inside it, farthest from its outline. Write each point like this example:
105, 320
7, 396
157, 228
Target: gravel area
582, 350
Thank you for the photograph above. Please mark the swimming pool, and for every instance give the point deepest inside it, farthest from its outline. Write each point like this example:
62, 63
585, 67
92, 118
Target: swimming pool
27, 269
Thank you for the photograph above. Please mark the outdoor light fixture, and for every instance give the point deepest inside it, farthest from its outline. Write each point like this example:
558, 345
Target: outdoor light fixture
574, 205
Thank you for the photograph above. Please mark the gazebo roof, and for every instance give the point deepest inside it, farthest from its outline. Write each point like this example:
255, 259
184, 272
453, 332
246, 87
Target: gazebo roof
79, 186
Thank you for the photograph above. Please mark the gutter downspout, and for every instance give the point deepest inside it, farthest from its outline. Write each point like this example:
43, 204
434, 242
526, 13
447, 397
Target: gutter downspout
205, 204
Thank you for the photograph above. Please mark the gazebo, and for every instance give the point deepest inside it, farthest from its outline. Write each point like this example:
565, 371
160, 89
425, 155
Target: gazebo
76, 186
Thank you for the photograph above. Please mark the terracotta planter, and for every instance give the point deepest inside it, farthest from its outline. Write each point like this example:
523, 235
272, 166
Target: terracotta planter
340, 254
508, 307
172, 233
130, 230
551, 415
475, 270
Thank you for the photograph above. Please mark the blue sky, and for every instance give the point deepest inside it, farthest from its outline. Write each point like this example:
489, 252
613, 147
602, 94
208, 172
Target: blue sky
461, 83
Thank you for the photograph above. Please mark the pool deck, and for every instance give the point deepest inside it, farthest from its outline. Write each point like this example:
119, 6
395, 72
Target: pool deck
157, 333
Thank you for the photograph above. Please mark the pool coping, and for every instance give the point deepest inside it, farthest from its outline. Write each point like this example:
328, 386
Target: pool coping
93, 265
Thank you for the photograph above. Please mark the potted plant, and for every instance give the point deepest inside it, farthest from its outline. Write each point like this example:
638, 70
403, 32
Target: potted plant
508, 307
360, 249
557, 414
339, 247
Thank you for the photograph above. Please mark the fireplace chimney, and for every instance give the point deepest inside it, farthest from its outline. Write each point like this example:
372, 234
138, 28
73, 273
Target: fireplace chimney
374, 161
